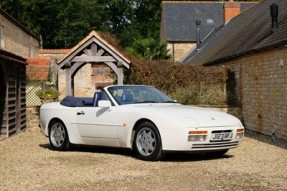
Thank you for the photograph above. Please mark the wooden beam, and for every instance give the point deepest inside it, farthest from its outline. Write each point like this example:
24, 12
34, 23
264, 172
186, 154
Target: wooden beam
88, 52
100, 52
93, 59
113, 66
76, 67
69, 81
120, 76
94, 49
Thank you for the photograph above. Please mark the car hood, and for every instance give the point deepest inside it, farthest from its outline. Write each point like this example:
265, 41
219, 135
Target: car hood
192, 116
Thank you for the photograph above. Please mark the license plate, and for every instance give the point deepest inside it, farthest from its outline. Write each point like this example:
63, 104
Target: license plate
221, 136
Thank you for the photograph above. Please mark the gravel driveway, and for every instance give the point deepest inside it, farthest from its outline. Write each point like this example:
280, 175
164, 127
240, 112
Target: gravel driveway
27, 163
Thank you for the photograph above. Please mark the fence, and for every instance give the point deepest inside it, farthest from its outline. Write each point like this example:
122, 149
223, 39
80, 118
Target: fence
39, 79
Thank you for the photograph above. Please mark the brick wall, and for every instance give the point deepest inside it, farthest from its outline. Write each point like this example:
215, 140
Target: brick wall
16, 39
231, 10
261, 86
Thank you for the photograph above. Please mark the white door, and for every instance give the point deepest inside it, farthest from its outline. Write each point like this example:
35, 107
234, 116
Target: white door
96, 122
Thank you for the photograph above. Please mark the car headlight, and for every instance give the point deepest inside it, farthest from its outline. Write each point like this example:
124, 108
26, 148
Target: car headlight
197, 135
239, 133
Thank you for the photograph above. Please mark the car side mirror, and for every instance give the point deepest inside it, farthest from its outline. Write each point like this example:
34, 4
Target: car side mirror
104, 104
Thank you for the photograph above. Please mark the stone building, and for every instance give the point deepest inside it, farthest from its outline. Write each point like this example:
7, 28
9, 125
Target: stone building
16, 38
16, 44
256, 56
178, 22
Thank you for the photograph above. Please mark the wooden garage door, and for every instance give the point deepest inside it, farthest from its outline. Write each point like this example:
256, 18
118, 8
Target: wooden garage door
14, 110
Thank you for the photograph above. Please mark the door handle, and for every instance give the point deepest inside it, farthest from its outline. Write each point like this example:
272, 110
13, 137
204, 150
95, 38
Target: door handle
81, 113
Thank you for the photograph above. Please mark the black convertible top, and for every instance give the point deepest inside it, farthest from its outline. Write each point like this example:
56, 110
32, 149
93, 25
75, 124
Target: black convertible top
71, 101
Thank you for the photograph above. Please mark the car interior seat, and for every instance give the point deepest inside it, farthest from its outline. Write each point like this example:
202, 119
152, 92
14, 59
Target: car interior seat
97, 97
127, 98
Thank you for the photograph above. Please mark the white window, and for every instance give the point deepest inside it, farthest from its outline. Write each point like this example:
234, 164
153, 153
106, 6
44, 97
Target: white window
1, 36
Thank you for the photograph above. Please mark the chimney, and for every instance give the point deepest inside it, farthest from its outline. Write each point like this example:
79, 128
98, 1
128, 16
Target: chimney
231, 10
274, 16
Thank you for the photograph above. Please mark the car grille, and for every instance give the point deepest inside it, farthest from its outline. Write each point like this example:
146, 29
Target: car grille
215, 145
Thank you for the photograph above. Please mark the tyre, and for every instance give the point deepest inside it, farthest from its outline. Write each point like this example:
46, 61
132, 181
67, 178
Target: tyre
147, 142
58, 136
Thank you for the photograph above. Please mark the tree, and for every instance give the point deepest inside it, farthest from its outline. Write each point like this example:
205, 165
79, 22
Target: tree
62, 23
149, 49
76, 20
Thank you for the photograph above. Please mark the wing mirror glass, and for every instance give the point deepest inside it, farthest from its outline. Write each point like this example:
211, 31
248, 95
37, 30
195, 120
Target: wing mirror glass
105, 104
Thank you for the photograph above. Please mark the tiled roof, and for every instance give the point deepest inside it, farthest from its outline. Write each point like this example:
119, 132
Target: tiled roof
179, 17
8, 56
107, 40
248, 32
38, 68
54, 51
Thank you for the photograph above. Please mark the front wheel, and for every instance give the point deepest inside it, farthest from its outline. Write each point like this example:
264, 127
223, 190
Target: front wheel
58, 136
147, 142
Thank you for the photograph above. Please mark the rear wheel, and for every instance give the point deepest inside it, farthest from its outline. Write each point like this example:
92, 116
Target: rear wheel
147, 142
58, 136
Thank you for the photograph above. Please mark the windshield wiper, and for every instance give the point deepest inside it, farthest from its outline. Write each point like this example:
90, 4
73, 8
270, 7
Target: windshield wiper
147, 102
170, 101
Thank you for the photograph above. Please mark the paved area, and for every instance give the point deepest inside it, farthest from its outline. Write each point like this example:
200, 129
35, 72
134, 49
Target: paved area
28, 163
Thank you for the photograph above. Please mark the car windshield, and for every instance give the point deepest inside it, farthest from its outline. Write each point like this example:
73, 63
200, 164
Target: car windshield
138, 94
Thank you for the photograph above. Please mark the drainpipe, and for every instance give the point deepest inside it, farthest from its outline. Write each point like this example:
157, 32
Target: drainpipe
274, 16
197, 34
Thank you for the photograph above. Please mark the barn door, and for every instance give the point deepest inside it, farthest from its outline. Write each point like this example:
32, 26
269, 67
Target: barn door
3, 125
15, 103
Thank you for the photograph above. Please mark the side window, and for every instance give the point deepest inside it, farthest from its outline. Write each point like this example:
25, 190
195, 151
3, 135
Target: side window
106, 97
1, 36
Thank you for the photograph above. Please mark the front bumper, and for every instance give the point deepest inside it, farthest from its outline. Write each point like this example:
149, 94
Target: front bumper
178, 140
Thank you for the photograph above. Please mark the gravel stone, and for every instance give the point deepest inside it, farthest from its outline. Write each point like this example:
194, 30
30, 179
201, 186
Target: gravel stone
28, 163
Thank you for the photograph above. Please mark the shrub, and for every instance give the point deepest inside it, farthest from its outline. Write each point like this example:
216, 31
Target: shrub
186, 83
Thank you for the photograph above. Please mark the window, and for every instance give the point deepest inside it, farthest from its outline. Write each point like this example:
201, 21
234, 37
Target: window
1, 36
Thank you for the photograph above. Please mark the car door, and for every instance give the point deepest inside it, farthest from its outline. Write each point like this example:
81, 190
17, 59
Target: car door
96, 122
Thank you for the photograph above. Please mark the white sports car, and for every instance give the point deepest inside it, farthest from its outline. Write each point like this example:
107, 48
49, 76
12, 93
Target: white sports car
140, 118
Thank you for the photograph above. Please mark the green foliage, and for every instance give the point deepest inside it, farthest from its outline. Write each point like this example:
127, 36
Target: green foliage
48, 92
185, 83
62, 23
77, 19
149, 49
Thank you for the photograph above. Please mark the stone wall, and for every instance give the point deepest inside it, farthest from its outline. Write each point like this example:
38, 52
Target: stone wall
179, 50
32, 116
17, 39
84, 86
85, 81
261, 86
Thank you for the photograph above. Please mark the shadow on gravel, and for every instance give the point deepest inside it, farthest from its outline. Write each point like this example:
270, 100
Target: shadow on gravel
94, 149
266, 139
185, 157
169, 157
